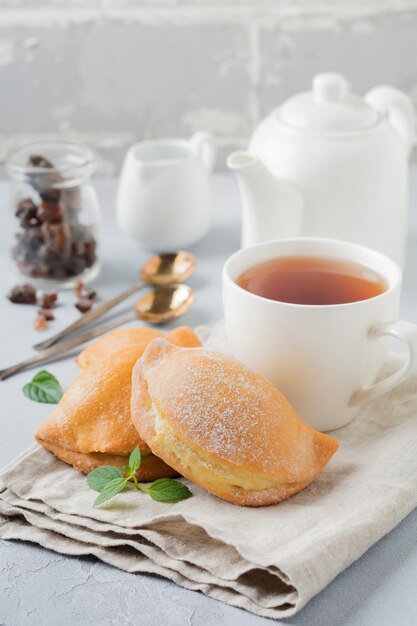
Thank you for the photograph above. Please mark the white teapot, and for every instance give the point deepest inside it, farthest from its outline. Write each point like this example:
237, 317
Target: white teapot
331, 164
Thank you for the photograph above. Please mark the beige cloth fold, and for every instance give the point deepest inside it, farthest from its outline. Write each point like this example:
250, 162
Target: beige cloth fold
270, 561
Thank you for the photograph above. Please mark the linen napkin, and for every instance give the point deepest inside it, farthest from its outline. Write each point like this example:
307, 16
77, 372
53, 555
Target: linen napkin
270, 560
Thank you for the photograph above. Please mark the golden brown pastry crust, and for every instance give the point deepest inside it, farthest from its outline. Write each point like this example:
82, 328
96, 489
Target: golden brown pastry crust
224, 427
91, 425
127, 337
151, 467
93, 415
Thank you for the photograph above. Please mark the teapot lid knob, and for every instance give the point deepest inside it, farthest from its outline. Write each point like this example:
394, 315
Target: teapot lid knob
329, 107
330, 87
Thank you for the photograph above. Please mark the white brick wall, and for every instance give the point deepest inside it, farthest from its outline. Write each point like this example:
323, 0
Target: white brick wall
109, 72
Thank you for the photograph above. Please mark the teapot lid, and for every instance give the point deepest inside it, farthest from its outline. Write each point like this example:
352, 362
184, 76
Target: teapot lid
329, 107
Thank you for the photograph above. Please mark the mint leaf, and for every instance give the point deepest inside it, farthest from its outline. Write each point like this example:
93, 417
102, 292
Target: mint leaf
110, 489
43, 387
110, 480
99, 477
168, 490
135, 460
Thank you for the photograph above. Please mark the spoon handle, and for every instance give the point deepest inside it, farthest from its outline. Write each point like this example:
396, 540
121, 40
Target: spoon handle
94, 314
64, 346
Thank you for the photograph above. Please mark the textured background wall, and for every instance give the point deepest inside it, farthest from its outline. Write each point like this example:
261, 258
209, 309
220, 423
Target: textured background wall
111, 72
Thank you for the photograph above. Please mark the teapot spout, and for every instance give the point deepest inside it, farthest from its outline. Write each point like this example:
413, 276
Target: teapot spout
272, 206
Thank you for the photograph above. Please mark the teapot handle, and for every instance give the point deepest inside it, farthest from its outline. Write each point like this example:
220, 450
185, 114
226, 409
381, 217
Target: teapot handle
205, 146
399, 110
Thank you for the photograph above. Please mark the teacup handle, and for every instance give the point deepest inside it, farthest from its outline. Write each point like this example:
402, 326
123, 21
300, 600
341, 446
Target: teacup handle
204, 144
407, 333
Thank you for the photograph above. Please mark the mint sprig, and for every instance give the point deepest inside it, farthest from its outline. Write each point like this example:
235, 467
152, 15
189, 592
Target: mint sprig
168, 490
98, 478
109, 481
135, 460
110, 489
43, 387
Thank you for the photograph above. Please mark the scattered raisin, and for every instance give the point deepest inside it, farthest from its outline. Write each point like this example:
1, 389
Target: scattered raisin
23, 294
40, 323
90, 294
79, 288
48, 300
47, 314
83, 305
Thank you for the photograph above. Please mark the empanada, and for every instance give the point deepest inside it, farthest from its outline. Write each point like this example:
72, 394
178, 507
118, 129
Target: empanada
91, 425
126, 337
223, 426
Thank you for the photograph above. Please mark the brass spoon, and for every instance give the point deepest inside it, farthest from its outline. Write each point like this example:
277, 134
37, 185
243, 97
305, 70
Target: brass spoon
163, 269
156, 307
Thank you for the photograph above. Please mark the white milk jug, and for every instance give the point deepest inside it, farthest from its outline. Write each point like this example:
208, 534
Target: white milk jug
163, 199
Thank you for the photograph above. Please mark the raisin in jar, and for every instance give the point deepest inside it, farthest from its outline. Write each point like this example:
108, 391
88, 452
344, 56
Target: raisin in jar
56, 213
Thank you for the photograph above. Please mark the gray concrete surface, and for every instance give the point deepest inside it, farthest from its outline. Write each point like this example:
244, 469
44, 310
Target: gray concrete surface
109, 72
41, 588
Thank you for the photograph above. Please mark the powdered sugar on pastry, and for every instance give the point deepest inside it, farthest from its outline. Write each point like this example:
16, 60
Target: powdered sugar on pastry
222, 425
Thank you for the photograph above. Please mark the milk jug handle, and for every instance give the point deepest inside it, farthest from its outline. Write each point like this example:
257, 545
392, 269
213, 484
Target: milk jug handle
203, 143
399, 110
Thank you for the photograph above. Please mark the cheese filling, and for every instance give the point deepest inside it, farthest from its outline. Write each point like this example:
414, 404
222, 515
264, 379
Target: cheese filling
203, 466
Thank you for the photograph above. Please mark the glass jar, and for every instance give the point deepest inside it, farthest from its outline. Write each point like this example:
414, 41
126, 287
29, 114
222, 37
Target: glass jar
56, 213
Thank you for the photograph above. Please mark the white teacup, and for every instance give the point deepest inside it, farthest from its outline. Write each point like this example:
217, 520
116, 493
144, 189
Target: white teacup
163, 200
323, 358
